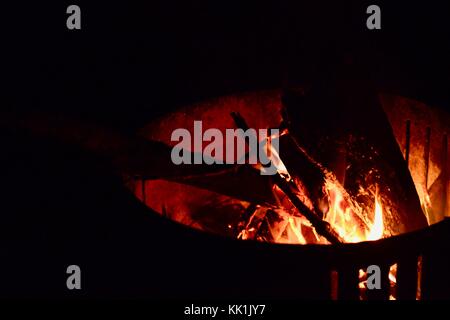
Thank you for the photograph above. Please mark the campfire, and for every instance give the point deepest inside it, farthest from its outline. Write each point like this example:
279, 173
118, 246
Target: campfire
350, 176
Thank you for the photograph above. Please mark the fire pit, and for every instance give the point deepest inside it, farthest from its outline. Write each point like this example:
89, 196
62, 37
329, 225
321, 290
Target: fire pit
373, 175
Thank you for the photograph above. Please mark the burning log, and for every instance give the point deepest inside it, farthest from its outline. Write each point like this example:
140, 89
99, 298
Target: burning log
246, 218
240, 181
306, 173
264, 232
437, 192
426, 155
358, 124
290, 190
335, 168
322, 227
407, 140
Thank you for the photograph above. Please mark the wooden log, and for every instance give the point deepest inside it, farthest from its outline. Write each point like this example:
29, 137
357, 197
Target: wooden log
439, 189
242, 182
445, 174
322, 227
426, 155
356, 120
303, 170
290, 190
407, 141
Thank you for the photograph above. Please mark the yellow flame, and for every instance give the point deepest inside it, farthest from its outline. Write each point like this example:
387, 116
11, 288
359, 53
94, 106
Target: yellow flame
296, 230
341, 216
376, 231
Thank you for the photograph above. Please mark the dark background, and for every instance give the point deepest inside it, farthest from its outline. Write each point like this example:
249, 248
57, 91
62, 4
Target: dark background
131, 62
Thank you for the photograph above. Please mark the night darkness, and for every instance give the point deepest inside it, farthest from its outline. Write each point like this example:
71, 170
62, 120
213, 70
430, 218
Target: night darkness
130, 63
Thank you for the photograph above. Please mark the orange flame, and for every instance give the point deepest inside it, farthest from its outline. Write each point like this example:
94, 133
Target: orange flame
342, 214
376, 231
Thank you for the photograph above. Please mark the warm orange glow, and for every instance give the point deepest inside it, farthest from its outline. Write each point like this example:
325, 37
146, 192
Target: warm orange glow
342, 216
425, 201
293, 224
346, 217
393, 281
376, 231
